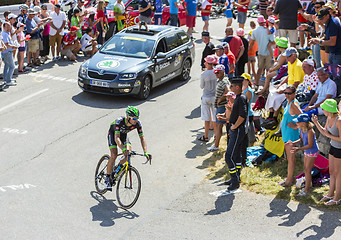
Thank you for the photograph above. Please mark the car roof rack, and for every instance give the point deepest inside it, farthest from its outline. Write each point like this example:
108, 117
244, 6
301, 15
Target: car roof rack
142, 31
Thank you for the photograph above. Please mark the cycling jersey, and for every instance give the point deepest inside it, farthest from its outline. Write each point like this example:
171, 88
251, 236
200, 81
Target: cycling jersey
119, 126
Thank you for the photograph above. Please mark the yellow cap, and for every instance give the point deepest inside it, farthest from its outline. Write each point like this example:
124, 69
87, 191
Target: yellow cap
246, 76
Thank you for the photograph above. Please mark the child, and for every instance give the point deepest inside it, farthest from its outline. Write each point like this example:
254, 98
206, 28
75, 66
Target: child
252, 53
307, 137
230, 97
21, 51
271, 31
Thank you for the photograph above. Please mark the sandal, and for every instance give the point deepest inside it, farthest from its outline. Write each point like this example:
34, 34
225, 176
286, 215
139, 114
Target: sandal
203, 139
283, 184
332, 202
325, 199
302, 193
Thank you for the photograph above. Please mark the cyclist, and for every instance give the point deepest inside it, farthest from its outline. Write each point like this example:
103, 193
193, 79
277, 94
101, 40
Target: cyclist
117, 138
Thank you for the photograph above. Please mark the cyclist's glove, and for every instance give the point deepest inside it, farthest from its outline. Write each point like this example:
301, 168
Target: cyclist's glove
149, 157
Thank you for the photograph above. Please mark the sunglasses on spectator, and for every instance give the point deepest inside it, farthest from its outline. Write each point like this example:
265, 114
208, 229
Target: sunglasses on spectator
288, 93
316, 7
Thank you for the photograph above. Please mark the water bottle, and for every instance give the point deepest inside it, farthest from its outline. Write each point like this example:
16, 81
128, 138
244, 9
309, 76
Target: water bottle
119, 167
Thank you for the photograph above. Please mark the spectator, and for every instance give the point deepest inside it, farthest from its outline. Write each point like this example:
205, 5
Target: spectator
332, 130
236, 133
23, 15
145, 10
102, 21
173, 11
219, 103
28, 3
158, 12
325, 89
287, 12
263, 4
33, 43
57, 24
290, 133
244, 58
91, 22
22, 47
46, 33
71, 44
232, 60
77, 20
228, 12
81, 8
310, 82
6, 14
208, 82
206, 9
119, 13
89, 43
263, 40
14, 31
223, 59
242, 7
252, 52
209, 48
7, 54
36, 3
235, 43
191, 14
332, 36
2, 48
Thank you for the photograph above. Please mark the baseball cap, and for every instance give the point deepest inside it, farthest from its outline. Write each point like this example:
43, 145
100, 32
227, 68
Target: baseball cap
218, 47
74, 29
23, 7
57, 5
31, 11
205, 34
12, 16
211, 59
261, 19
282, 42
218, 68
246, 76
290, 51
240, 32
329, 105
237, 80
225, 44
232, 94
303, 117
323, 12
37, 9
272, 19
309, 61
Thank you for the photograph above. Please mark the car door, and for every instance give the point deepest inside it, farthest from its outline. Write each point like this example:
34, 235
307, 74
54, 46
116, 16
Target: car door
160, 64
183, 50
174, 49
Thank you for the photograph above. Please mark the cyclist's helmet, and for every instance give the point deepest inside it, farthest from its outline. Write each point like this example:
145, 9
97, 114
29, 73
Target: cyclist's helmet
132, 112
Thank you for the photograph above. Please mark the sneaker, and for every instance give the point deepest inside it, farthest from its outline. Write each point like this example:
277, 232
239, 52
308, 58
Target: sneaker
54, 59
212, 148
107, 183
11, 84
233, 187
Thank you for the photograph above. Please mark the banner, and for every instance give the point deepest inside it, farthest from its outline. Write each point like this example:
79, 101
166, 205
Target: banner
274, 144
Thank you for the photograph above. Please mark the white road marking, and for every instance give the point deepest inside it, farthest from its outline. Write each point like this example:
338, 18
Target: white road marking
14, 131
225, 192
23, 100
48, 76
16, 187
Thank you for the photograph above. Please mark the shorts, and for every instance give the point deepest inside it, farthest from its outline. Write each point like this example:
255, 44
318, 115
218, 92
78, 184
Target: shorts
190, 21
292, 34
228, 14
87, 48
335, 152
219, 110
67, 52
57, 38
311, 154
33, 45
264, 62
207, 109
241, 17
147, 20
205, 18
111, 140
252, 59
22, 49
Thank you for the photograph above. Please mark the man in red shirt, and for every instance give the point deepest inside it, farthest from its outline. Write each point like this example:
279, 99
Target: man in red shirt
231, 57
242, 7
235, 43
71, 44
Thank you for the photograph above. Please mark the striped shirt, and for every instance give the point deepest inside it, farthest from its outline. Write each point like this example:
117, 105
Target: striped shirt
221, 85
263, 4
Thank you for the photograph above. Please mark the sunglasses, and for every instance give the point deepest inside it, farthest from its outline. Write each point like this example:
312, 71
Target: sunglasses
135, 119
288, 93
316, 7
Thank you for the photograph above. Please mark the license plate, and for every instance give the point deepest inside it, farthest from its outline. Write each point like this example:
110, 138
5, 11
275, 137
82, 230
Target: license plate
99, 83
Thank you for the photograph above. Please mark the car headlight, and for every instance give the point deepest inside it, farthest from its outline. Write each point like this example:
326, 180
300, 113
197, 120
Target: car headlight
128, 76
83, 71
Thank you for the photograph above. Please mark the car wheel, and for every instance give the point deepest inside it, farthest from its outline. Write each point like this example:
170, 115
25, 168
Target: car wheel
146, 87
186, 69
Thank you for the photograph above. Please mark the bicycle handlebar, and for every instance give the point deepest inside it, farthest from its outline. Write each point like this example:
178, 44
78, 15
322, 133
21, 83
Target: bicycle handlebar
133, 153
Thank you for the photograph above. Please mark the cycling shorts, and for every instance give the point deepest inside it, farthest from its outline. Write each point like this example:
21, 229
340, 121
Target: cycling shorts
123, 137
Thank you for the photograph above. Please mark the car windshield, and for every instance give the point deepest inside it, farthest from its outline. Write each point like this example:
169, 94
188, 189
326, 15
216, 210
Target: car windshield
129, 46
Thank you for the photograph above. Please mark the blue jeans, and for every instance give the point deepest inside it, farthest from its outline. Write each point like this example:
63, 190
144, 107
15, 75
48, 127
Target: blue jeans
334, 59
9, 66
174, 19
317, 55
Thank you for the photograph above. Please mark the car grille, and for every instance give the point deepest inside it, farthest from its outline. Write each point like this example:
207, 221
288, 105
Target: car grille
105, 76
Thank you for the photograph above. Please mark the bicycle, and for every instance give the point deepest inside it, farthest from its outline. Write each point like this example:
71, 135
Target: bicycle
128, 180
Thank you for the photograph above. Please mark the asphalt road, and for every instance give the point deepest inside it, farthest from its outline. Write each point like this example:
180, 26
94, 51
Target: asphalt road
52, 135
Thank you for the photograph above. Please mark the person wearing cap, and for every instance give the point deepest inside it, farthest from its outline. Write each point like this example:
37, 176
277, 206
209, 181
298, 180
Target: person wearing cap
23, 15
57, 24
71, 44
310, 81
332, 37
206, 9
33, 44
7, 54
223, 59
332, 130
280, 69
191, 14
239, 114
286, 11
208, 82
263, 39
219, 103
326, 89
209, 47
231, 58
235, 43
244, 57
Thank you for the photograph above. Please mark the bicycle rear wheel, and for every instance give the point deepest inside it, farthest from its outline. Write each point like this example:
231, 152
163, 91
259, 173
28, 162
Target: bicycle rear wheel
128, 188
100, 173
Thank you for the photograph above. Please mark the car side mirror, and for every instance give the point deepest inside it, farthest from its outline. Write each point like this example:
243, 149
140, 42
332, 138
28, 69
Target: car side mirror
160, 55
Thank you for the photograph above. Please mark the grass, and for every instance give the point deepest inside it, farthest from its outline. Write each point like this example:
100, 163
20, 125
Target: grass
264, 179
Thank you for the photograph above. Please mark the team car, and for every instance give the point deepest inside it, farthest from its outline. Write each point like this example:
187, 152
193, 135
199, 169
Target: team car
134, 61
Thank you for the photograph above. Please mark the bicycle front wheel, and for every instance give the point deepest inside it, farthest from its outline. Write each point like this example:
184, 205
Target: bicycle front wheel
128, 188
100, 173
